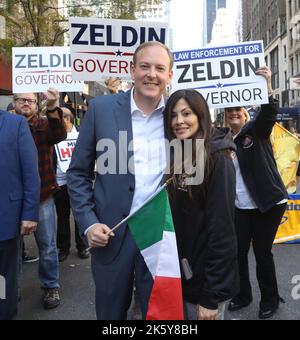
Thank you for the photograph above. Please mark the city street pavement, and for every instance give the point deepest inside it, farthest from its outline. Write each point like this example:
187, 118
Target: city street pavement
77, 290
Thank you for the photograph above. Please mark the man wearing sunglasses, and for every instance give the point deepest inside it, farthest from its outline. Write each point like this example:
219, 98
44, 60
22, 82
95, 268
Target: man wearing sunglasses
46, 131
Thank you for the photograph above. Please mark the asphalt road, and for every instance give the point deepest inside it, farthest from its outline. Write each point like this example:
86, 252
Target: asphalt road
77, 290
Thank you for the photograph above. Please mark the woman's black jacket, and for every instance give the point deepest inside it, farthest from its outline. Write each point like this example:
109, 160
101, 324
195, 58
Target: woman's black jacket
205, 230
256, 159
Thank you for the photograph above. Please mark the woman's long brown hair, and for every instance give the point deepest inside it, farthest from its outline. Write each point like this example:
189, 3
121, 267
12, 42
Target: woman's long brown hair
199, 107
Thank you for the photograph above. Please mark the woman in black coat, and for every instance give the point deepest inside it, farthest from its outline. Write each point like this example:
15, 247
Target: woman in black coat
260, 202
203, 213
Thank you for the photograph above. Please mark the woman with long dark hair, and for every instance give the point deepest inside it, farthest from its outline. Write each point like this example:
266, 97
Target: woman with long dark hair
261, 200
203, 213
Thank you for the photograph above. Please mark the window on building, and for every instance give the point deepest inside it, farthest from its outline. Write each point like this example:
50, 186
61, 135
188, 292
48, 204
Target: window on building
284, 52
274, 64
298, 62
283, 25
291, 38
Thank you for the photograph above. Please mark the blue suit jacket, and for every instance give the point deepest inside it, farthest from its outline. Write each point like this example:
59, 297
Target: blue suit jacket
109, 199
19, 176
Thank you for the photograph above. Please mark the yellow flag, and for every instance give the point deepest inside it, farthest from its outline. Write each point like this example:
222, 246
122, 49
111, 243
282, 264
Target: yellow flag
289, 229
286, 149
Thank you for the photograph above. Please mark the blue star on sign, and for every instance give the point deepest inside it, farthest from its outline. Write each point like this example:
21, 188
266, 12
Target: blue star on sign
119, 53
219, 86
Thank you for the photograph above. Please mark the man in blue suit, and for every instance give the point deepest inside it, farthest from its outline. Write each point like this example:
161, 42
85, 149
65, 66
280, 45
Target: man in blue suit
127, 124
19, 202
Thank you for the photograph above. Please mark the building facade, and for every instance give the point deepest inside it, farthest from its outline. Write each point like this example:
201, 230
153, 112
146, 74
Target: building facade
267, 20
158, 13
210, 8
293, 24
224, 28
2, 28
155, 12
5, 70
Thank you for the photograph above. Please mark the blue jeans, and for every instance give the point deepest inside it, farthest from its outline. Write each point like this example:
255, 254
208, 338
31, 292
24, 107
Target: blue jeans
46, 240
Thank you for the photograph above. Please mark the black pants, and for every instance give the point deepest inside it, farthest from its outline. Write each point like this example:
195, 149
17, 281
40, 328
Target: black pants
63, 210
261, 229
9, 269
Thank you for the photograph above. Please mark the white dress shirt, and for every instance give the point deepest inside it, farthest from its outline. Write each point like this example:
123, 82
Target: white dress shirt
149, 151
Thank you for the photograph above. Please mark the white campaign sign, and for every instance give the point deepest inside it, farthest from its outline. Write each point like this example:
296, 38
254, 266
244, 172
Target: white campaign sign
102, 48
294, 83
224, 75
64, 150
36, 69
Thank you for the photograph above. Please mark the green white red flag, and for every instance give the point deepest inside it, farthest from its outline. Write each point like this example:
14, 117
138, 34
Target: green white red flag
153, 231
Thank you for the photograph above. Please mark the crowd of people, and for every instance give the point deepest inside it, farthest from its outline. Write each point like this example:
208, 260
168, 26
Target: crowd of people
241, 200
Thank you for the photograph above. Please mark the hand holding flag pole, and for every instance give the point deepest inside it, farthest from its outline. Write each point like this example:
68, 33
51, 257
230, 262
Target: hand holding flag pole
135, 211
152, 229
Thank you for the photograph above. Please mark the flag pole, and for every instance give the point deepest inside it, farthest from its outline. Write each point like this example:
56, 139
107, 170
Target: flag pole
136, 210
142, 206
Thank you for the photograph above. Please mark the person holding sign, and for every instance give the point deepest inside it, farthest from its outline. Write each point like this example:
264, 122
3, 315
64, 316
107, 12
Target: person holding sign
203, 214
46, 131
62, 158
261, 200
119, 123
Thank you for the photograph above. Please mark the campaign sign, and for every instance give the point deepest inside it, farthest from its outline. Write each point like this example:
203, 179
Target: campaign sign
64, 151
224, 75
102, 48
36, 69
294, 83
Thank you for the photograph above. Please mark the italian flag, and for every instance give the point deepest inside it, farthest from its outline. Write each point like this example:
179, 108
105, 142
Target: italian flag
153, 230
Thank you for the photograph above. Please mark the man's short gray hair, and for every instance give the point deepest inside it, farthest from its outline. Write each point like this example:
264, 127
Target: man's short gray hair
17, 95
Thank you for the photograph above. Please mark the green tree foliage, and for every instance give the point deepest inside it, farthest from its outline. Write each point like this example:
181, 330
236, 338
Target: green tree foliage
44, 23
32, 22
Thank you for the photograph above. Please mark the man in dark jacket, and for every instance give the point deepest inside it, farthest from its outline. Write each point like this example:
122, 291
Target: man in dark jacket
46, 131
19, 203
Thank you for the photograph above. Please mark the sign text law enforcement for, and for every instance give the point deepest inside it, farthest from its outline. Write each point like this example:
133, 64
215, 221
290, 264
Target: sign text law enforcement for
224, 75
102, 48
